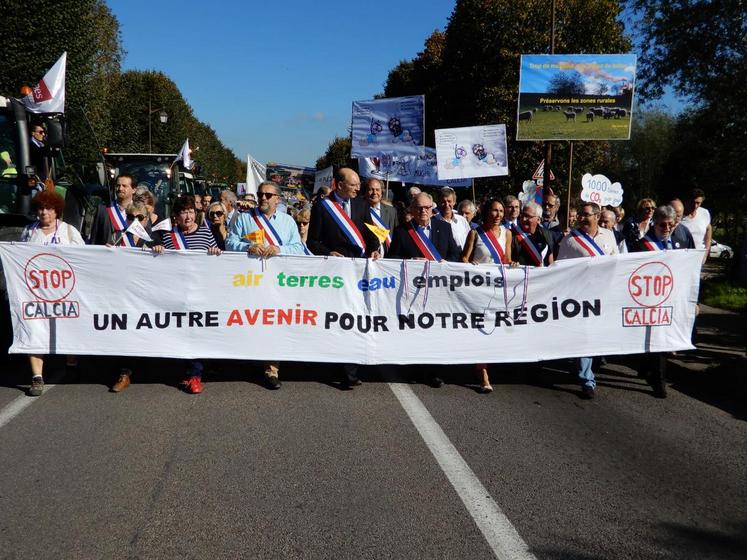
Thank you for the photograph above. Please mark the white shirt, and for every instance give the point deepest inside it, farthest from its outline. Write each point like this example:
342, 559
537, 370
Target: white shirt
63, 234
459, 228
604, 238
698, 226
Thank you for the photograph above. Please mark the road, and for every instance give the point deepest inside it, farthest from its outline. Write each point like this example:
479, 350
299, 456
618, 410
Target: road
311, 471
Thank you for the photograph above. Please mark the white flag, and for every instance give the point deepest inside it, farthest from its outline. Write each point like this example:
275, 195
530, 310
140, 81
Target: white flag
184, 155
323, 178
49, 94
136, 228
255, 174
163, 225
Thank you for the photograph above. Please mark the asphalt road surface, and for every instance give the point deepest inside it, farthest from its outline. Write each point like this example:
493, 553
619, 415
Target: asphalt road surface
389, 470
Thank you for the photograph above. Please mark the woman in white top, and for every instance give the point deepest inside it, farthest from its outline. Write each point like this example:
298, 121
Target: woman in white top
49, 229
477, 252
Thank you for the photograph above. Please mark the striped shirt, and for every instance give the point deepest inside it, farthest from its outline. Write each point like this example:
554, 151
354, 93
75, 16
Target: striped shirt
200, 239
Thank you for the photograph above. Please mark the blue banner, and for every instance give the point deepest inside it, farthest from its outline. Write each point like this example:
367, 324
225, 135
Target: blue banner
386, 125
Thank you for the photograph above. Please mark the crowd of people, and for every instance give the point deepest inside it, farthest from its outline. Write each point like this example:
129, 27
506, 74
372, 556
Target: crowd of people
347, 223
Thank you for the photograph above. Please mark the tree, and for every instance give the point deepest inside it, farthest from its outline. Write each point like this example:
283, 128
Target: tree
567, 84
337, 154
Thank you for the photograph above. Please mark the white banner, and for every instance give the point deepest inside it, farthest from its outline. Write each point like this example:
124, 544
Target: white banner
385, 125
323, 178
130, 302
472, 151
49, 94
419, 169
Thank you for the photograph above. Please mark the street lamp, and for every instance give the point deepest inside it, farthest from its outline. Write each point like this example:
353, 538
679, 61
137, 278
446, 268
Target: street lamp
162, 116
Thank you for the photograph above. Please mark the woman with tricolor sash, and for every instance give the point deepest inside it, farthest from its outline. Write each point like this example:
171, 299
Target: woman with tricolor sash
489, 243
48, 229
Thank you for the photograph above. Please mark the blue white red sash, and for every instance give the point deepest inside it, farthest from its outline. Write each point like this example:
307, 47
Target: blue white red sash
379, 222
653, 244
116, 218
529, 246
491, 242
424, 245
271, 236
587, 243
178, 240
127, 240
306, 249
345, 223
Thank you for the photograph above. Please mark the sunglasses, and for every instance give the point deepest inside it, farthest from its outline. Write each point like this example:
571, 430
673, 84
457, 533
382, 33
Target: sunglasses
421, 208
266, 195
38, 132
216, 214
133, 216
303, 223
649, 207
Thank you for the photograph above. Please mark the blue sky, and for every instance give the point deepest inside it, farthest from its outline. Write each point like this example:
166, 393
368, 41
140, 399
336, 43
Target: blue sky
276, 79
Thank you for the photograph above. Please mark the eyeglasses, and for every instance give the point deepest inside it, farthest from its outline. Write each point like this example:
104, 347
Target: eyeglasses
267, 195
587, 214
216, 214
421, 208
39, 132
187, 212
665, 225
302, 223
133, 216
647, 208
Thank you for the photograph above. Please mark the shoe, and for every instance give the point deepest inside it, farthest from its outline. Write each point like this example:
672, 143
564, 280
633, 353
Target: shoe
587, 392
351, 381
37, 386
192, 385
436, 382
486, 388
123, 382
272, 382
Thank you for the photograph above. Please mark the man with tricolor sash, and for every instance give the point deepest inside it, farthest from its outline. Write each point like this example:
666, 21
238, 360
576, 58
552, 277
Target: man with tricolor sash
383, 218
589, 240
532, 245
110, 222
424, 238
338, 229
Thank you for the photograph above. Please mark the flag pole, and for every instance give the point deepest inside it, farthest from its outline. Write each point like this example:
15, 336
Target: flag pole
387, 185
570, 183
474, 197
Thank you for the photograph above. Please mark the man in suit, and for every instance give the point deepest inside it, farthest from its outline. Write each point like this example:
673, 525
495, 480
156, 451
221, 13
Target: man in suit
338, 229
38, 151
380, 214
438, 232
109, 222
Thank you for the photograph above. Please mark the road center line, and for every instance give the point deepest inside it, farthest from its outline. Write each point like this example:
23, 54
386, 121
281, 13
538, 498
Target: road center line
18, 405
490, 519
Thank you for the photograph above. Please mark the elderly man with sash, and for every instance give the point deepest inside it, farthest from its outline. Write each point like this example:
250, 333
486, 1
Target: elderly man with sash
110, 222
532, 245
338, 229
424, 238
589, 240
381, 215
264, 232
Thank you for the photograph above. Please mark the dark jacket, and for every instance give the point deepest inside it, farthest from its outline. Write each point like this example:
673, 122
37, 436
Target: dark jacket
326, 236
403, 247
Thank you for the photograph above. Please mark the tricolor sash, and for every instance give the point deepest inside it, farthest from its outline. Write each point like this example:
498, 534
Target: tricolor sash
529, 246
491, 242
587, 243
271, 236
116, 218
127, 240
178, 240
345, 223
653, 244
379, 222
424, 245
306, 249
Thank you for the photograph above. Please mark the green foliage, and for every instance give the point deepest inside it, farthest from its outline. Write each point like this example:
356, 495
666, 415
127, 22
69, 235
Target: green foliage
725, 294
567, 84
337, 154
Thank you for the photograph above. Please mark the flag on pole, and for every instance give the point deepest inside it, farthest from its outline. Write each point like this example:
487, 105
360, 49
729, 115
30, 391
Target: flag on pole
255, 174
185, 156
163, 225
49, 94
137, 228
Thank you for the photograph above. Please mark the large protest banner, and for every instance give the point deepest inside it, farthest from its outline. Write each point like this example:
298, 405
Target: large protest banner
386, 125
324, 178
472, 151
575, 97
418, 169
130, 302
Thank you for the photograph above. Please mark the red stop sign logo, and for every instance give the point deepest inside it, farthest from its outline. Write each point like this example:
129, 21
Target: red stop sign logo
651, 284
49, 277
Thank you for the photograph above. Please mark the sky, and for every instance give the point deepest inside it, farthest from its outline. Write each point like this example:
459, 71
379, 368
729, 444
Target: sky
276, 79
611, 70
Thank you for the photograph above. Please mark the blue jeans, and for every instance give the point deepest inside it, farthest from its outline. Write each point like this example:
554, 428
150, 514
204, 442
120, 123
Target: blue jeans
585, 375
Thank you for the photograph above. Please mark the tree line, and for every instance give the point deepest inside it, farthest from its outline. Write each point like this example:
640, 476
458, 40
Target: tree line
105, 107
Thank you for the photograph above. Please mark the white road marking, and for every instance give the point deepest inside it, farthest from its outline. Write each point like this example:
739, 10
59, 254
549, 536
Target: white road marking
18, 405
490, 519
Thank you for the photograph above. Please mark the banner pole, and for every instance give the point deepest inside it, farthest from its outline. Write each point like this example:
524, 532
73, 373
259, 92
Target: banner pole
570, 183
474, 197
387, 186
546, 187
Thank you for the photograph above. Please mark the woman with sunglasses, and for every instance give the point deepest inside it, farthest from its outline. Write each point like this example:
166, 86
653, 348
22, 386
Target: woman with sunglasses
216, 214
637, 226
48, 229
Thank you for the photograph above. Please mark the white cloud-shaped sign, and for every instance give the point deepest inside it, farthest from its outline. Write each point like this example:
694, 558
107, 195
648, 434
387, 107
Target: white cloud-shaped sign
597, 188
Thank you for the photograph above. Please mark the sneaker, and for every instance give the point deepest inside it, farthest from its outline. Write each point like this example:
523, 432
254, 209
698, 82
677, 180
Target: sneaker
486, 388
587, 392
37, 386
272, 381
122, 382
192, 385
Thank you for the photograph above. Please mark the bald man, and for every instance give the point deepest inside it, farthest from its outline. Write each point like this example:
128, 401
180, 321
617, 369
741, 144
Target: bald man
681, 236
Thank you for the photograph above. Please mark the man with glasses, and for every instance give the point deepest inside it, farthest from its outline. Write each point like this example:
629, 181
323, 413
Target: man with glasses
588, 240
512, 208
265, 232
38, 151
424, 238
681, 236
532, 245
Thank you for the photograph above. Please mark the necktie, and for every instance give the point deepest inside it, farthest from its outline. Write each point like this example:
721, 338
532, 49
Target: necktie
346, 206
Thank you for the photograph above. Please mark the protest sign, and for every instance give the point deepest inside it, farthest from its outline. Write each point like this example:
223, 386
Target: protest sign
575, 97
391, 124
417, 169
80, 300
291, 176
599, 189
323, 178
473, 151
